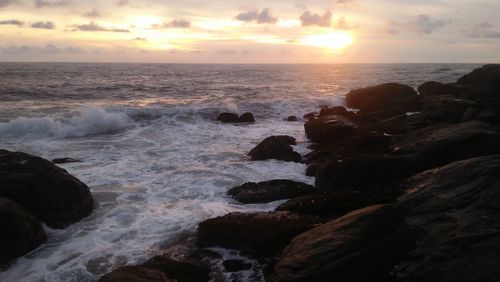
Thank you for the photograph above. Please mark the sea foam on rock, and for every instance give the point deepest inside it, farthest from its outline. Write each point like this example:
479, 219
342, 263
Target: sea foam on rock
50, 193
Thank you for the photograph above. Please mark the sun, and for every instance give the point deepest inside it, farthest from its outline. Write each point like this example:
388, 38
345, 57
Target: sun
331, 41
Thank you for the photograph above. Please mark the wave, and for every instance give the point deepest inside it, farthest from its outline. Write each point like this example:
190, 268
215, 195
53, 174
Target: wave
89, 121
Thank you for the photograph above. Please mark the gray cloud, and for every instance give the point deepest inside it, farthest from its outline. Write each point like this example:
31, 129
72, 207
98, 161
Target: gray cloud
49, 49
5, 3
482, 30
344, 1
177, 23
92, 26
94, 13
262, 17
12, 22
310, 19
44, 25
123, 2
139, 39
421, 24
47, 3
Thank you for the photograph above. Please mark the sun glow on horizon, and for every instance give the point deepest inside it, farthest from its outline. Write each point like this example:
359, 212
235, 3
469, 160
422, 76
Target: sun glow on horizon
331, 41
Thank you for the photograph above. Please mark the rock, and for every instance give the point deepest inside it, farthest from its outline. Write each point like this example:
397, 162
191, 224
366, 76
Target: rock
235, 265
269, 191
158, 269
489, 115
329, 128
469, 114
260, 234
363, 245
383, 97
332, 203
432, 88
291, 118
446, 108
310, 115
21, 231
247, 117
276, 147
483, 85
337, 110
65, 160
454, 212
228, 118
365, 173
50, 193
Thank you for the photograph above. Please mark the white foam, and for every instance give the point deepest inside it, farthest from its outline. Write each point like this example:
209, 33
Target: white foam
89, 121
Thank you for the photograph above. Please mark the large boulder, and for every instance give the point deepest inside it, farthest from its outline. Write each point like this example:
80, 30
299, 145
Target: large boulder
276, 147
383, 97
21, 231
260, 234
363, 245
247, 117
455, 215
329, 128
269, 191
483, 85
228, 118
432, 88
47, 191
446, 108
158, 269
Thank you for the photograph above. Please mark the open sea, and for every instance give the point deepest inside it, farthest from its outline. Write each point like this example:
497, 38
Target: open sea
153, 155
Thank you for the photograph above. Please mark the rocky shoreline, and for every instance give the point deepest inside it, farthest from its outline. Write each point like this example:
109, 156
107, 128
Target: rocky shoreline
407, 189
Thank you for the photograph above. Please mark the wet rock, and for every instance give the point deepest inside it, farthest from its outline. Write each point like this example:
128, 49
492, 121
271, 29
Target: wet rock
228, 118
446, 108
65, 160
310, 115
21, 231
260, 234
432, 88
337, 110
235, 265
329, 128
269, 191
454, 212
49, 192
276, 147
247, 117
291, 118
363, 245
158, 269
383, 97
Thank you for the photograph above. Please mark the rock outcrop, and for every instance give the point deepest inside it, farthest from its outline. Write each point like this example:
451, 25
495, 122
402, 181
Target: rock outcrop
276, 147
269, 191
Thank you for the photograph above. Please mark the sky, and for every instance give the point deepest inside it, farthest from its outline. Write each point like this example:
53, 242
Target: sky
245, 31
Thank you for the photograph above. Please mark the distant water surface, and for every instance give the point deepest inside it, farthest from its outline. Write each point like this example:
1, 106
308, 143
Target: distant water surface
156, 161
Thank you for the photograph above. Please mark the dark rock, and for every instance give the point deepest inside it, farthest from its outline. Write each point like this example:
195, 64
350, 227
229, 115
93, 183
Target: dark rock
247, 117
332, 203
65, 160
329, 128
228, 118
260, 234
483, 85
455, 215
276, 147
235, 265
383, 97
469, 114
310, 115
363, 245
158, 269
489, 115
21, 231
364, 172
446, 108
291, 118
269, 191
432, 88
47, 191
337, 110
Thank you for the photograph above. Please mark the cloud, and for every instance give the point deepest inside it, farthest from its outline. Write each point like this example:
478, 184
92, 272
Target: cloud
92, 26
139, 39
310, 19
421, 24
48, 49
5, 3
262, 17
482, 30
344, 1
47, 3
342, 24
177, 23
123, 2
94, 13
44, 25
12, 22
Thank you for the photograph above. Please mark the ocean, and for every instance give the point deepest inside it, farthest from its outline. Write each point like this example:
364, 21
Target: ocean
153, 155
